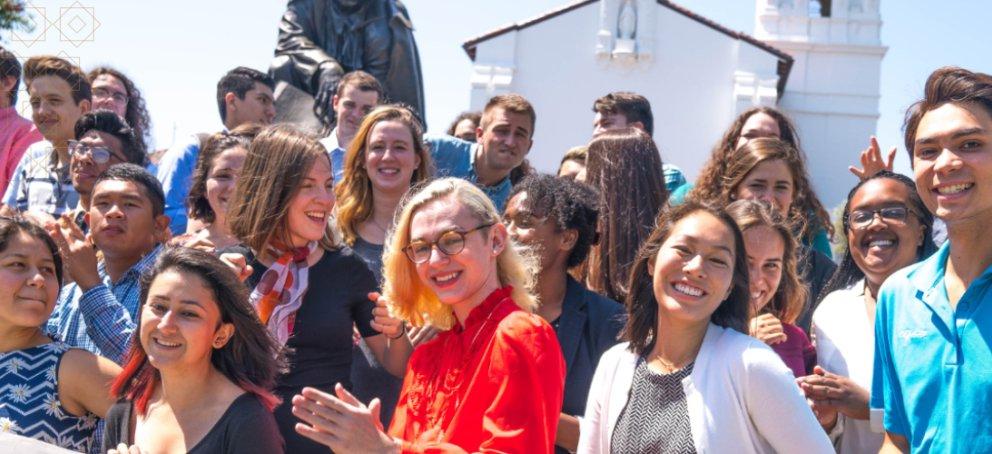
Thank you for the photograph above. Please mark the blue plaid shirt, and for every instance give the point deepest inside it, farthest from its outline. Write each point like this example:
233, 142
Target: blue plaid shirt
101, 320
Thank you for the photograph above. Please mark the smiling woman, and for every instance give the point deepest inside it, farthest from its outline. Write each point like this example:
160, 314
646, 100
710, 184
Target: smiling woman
200, 368
307, 290
493, 381
52, 393
689, 379
887, 228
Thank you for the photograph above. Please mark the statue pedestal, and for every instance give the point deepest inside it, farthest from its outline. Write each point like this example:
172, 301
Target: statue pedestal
295, 106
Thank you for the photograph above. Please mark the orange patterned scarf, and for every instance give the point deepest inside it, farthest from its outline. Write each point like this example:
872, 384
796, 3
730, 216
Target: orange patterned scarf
279, 293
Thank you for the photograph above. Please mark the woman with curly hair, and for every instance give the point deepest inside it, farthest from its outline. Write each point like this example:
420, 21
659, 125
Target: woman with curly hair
756, 123
116, 92
772, 170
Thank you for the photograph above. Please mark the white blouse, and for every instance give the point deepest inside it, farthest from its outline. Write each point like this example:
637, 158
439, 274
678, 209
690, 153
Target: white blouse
740, 395
845, 345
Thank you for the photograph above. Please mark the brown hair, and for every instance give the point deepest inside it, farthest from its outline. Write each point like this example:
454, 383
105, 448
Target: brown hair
354, 192
624, 165
277, 162
47, 65
806, 214
512, 103
790, 296
360, 80
708, 185
10, 67
197, 203
474, 117
251, 358
949, 84
136, 114
11, 226
577, 154
632, 106
642, 306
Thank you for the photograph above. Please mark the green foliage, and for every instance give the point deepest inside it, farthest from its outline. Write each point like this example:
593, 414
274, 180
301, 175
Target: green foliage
14, 16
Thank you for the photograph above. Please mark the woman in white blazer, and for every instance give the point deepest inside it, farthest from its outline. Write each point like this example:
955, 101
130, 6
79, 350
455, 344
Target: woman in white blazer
688, 379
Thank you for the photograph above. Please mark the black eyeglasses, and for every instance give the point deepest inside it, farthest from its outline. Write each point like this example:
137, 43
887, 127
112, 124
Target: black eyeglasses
859, 219
450, 243
100, 155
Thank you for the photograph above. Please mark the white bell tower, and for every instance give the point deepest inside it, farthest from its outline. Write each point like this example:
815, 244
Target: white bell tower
833, 91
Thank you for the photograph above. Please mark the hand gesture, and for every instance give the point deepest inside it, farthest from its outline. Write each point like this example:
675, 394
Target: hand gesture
327, 85
383, 320
871, 160
341, 422
238, 263
78, 250
125, 449
841, 393
768, 329
421, 334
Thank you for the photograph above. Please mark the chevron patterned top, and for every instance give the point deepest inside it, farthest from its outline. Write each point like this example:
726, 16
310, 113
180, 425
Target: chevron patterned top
29, 400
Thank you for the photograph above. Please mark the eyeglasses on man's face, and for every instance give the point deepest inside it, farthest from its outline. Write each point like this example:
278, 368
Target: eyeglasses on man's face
449, 243
100, 155
103, 93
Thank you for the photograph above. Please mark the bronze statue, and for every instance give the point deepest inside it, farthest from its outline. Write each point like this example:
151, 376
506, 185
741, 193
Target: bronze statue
321, 40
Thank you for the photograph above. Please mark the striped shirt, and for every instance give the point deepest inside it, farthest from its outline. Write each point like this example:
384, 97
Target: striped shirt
37, 184
102, 319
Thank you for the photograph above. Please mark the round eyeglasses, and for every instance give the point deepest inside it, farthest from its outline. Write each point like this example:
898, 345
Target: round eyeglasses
449, 243
100, 155
859, 219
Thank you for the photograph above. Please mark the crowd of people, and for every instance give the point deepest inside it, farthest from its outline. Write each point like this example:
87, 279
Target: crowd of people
382, 289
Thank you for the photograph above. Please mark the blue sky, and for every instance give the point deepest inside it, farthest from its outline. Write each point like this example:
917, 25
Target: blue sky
177, 50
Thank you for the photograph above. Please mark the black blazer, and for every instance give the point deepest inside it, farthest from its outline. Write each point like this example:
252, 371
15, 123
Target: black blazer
588, 326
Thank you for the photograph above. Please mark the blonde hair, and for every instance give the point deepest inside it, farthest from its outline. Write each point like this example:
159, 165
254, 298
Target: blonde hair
354, 192
416, 303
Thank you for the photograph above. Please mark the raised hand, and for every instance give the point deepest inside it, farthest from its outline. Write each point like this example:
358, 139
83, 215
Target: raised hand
341, 422
768, 329
78, 250
383, 320
871, 160
238, 263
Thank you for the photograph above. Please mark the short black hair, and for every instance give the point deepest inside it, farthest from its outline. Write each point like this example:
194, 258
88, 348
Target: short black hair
240, 81
10, 67
632, 106
570, 204
139, 176
108, 122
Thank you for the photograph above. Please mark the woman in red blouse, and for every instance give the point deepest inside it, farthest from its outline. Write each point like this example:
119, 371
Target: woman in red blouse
493, 380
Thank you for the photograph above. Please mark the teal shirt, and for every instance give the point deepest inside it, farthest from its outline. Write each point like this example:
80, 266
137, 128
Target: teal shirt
933, 364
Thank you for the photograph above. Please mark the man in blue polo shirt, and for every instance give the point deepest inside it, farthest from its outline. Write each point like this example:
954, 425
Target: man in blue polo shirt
933, 325
505, 135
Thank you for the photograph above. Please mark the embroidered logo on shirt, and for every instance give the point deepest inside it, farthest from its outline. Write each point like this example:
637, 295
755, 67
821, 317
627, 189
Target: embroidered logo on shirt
909, 334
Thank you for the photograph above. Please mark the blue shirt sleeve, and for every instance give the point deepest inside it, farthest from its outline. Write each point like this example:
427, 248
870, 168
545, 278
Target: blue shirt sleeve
108, 323
175, 171
885, 391
451, 155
